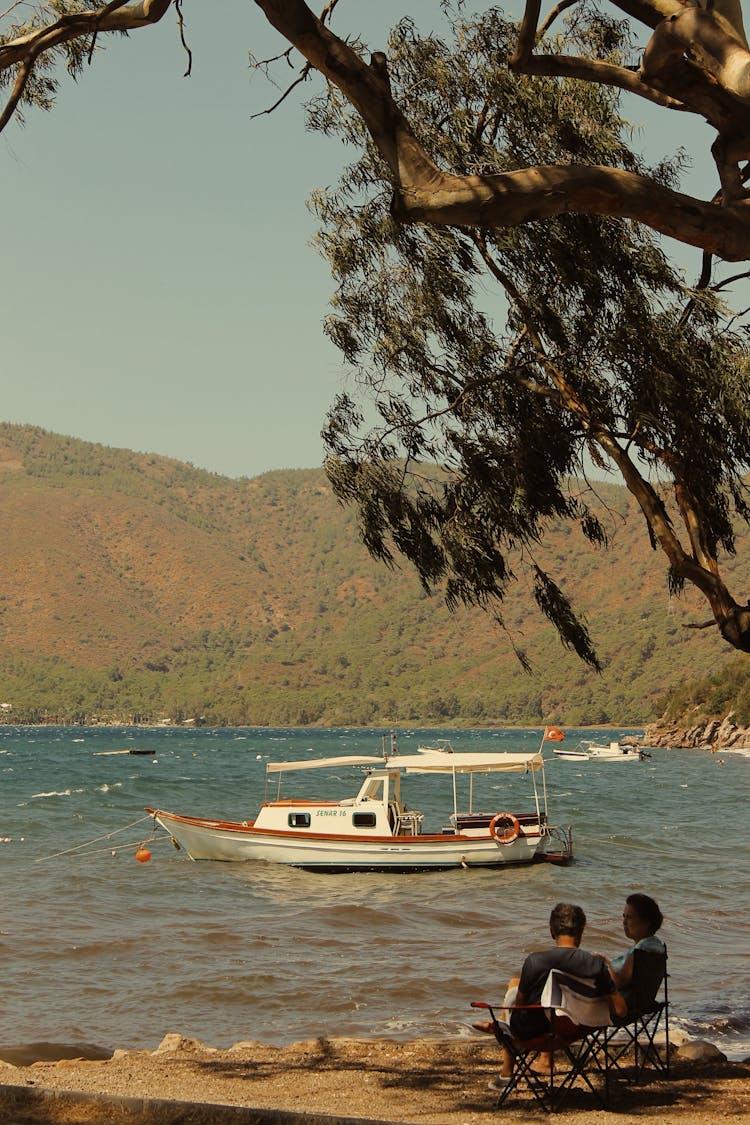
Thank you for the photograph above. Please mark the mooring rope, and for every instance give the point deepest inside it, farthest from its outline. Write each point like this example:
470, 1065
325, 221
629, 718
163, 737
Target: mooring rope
96, 840
131, 845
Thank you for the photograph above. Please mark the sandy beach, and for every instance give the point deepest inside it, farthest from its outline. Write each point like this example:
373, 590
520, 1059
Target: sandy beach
424, 1082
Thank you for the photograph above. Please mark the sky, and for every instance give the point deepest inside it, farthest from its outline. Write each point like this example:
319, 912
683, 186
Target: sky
158, 287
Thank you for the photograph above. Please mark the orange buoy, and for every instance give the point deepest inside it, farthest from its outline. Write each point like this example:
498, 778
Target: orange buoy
143, 855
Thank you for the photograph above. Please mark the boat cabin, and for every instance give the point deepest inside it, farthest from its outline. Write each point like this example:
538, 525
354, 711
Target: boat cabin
377, 809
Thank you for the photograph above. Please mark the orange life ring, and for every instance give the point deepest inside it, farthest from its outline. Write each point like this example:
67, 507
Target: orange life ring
504, 828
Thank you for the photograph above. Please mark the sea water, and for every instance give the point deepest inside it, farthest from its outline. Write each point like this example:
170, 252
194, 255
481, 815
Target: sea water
99, 948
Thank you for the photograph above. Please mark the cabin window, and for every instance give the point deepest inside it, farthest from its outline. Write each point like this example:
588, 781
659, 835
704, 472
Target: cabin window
363, 820
299, 820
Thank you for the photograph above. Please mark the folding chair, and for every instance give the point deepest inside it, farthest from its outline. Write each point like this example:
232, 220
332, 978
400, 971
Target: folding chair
573, 1009
647, 1019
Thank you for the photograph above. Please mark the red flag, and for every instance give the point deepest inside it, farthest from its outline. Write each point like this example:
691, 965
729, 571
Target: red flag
552, 734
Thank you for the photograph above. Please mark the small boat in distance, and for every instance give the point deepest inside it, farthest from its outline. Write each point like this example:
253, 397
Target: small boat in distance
615, 752
109, 753
602, 752
374, 830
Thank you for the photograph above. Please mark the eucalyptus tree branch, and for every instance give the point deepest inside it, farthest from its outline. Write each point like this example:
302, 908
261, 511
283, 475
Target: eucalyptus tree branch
689, 510
425, 193
732, 618
527, 35
710, 38
17, 91
684, 40
24, 50
552, 16
701, 283
545, 191
118, 16
701, 567
602, 73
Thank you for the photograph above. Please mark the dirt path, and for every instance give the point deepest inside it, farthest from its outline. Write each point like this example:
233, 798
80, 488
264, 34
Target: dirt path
425, 1082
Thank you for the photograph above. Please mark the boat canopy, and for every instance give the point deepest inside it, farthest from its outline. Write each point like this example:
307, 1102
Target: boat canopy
445, 762
319, 763
436, 761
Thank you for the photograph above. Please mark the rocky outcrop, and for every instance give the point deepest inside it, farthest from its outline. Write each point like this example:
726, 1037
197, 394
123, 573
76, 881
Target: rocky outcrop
700, 1051
703, 734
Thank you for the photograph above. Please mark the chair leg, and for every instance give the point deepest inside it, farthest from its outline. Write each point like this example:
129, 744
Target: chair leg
524, 1074
640, 1035
582, 1056
551, 1092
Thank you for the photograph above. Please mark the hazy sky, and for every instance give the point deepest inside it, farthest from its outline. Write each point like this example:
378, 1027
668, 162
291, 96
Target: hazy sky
158, 289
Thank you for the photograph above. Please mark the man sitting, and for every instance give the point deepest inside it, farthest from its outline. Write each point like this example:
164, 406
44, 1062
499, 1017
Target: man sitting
566, 924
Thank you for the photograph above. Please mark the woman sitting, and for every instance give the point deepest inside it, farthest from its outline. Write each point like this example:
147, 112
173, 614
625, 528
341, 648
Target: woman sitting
641, 918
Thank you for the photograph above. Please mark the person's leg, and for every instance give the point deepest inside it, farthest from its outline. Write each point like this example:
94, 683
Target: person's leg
543, 1064
509, 1000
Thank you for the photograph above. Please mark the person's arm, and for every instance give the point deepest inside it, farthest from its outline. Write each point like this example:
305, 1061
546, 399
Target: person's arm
623, 977
617, 1004
608, 985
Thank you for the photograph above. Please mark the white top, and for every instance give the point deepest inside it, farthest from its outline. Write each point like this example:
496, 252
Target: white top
442, 762
436, 761
319, 763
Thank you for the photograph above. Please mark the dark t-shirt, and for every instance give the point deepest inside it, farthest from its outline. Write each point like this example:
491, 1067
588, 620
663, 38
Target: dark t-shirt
536, 968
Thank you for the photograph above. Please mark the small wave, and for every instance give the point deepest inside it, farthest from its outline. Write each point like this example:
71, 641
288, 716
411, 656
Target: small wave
57, 793
723, 1024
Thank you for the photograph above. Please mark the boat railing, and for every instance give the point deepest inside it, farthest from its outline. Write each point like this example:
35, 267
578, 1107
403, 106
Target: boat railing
563, 837
482, 820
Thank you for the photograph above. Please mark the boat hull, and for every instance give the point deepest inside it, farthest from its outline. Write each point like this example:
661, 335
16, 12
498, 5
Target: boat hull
229, 841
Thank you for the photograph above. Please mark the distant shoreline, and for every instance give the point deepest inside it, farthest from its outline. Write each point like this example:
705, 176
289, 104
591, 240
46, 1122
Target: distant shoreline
339, 726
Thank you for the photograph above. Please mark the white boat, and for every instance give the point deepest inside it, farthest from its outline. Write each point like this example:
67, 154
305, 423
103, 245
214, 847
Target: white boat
599, 751
572, 755
374, 830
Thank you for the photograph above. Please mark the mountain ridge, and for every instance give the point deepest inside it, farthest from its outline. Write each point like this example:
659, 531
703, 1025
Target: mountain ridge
138, 588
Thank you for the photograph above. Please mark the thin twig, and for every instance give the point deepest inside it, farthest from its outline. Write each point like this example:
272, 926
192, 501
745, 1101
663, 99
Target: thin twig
301, 78
181, 25
729, 281
8, 10
328, 10
105, 11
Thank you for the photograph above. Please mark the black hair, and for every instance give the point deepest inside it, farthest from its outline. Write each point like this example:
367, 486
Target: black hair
647, 909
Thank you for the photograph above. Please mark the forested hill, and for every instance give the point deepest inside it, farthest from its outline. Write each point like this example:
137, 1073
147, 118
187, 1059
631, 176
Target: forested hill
137, 588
